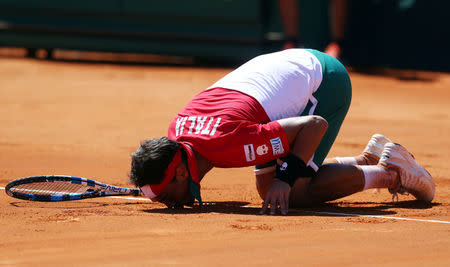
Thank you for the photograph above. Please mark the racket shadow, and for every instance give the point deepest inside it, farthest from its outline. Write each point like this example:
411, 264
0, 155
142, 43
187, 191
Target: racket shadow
72, 204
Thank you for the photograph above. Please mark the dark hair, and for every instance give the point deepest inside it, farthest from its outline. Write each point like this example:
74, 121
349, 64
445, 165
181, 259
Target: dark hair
150, 161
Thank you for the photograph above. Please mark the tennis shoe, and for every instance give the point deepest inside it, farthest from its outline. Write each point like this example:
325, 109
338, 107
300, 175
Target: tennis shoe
414, 179
376, 145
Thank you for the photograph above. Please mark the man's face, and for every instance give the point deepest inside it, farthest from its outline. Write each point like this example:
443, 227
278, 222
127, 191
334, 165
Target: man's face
176, 195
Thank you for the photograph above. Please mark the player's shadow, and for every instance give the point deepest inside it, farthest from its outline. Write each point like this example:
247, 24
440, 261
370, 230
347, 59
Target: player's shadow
327, 209
364, 208
227, 207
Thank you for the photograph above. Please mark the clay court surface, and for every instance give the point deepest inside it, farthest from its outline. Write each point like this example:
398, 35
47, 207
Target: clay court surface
84, 119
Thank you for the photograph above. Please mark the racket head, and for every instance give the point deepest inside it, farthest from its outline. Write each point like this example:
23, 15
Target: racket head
61, 188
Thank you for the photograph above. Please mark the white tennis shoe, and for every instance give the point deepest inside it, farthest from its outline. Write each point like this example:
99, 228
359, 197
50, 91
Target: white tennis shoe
376, 145
414, 178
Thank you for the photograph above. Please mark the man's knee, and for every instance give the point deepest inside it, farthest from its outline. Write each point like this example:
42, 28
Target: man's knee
318, 122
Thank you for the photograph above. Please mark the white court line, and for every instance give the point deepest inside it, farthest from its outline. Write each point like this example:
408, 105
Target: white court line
362, 215
377, 216
319, 212
132, 198
327, 213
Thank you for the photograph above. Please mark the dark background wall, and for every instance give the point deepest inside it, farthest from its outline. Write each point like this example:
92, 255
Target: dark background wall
394, 33
406, 34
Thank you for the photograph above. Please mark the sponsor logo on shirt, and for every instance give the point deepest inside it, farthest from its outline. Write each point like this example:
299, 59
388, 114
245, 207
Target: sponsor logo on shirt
277, 146
249, 152
262, 150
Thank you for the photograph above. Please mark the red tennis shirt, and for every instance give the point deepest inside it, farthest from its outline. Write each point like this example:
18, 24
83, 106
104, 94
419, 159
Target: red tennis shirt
229, 128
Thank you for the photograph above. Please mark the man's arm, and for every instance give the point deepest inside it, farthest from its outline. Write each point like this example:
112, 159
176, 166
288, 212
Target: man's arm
304, 135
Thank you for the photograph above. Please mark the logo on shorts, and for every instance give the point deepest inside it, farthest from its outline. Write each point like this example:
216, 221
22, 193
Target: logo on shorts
262, 150
249, 152
277, 146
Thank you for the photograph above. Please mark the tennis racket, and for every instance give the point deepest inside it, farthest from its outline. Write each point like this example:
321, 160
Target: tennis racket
62, 188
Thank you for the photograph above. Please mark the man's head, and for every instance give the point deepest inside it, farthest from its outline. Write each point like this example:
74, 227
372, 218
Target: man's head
159, 168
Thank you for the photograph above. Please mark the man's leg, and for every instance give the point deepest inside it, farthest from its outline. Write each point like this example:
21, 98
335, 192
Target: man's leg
338, 10
289, 13
370, 156
333, 181
396, 170
338, 177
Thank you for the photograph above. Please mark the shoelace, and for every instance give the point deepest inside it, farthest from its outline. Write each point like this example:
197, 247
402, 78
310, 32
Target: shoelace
395, 197
400, 191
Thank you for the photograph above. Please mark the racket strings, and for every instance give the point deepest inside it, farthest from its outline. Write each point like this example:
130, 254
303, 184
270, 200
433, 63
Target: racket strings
57, 187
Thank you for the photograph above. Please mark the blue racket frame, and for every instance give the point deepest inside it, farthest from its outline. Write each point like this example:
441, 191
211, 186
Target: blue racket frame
99, 189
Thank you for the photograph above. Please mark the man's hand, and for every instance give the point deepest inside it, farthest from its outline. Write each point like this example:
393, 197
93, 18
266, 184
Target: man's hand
278, 194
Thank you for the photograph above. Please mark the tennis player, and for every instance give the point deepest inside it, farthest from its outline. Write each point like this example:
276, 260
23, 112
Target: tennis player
281, 113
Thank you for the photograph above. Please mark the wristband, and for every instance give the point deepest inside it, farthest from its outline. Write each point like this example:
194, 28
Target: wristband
291, 167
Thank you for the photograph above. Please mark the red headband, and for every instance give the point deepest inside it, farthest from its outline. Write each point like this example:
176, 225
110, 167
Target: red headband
152, 190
